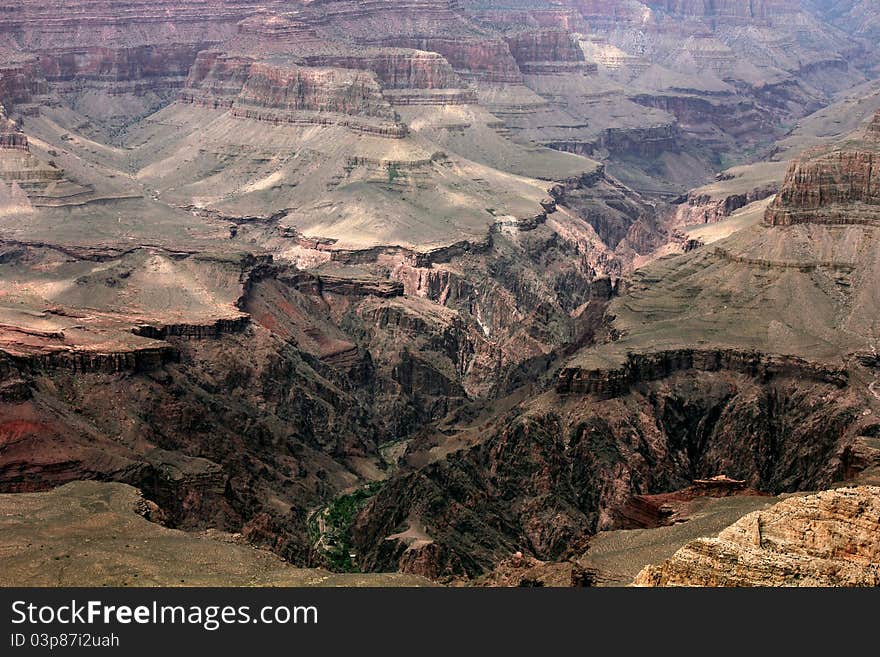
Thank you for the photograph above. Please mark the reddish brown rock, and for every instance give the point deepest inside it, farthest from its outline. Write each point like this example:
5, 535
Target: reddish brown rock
831, 538
522, 571
290, 93
838, 185
11, 137
653, 366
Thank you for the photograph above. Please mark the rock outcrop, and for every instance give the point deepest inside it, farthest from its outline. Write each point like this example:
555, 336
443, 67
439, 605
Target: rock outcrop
273, 253
639, 368
289, 93
521, 571
11, 137
837, 185
835, 188
702, 209
830, 538
545, 480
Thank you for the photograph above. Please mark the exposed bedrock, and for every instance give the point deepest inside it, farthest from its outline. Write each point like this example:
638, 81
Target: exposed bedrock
138, 359
544, 481
119, 65
832, 185
613, 211
737, 117
254, 432
265, 91
700, 208
515, 318
745, 10
21, 81
269, 27
647, 142
530, 46
840, 187
486, 60
211, 329
11, 137
639, 368
546, 17
36, 23
396, 69
826, 539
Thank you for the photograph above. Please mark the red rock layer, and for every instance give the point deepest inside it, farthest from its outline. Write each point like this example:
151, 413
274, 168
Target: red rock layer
544, 46
11, 138
20, 82
397, 69
287, 92
841, 186
827, 539
744, 10
488, 59
39, 25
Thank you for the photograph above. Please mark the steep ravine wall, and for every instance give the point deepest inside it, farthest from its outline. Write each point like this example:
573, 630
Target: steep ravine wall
640, 368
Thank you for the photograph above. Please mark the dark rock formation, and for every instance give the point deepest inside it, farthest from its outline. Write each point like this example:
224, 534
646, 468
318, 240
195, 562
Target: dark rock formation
640, 368
542, 483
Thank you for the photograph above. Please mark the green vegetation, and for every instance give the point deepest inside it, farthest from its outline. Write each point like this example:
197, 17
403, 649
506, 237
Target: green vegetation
338, 517
393, 172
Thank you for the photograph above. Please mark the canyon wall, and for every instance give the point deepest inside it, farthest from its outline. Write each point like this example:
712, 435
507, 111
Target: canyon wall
837, 186
544, 481
288, 93
825, 539
640, 368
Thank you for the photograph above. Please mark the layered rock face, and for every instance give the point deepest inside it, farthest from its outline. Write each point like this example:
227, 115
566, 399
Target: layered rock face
639, 368
836, 186
859, 16
20, 170
11, 138
20, 81
38, 23
827, 539
719, 200
487, 60
287, 258
489, 48
397, 69
545, 481
727, 10
358, 356
288, 93
119, 65
536, 50
136, 50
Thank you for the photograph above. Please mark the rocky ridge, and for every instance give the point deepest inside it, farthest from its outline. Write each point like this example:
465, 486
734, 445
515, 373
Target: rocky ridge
831, 186
306, 251
825, 539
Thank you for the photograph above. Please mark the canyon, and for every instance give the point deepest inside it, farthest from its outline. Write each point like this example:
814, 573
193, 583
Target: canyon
437, 290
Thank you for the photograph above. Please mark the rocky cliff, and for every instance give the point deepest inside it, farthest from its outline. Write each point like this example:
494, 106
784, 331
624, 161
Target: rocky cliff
289, 93
832, 186
11, 137
746, 11
639, 368
280, 259
826, 539
546, 479
397, 69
